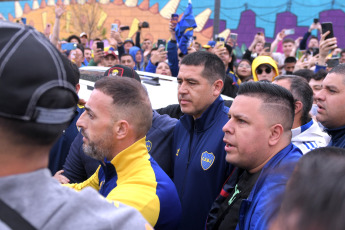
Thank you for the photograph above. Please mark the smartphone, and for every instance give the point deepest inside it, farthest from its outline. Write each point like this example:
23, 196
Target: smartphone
124, 28
68, 46
100, 45
174, 19
220, 41
114, 27
233, 38
327, 26
161, 43
332, 62
316, 20
23, 21
267, 45
289, 31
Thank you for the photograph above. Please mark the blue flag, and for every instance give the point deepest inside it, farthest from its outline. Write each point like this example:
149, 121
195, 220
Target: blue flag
184, 29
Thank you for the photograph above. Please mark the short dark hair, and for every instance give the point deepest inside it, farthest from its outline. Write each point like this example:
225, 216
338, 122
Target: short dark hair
214, 68
305, 73
314, 193
275, 98
339, 69
81, 47
87, 48
302, 92
288, 40
313, 37
131, 101
76, 74
319, 75
124, 55
75, 37
290, 60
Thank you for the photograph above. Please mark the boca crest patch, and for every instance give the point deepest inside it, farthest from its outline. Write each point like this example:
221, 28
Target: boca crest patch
148, 145
207, 160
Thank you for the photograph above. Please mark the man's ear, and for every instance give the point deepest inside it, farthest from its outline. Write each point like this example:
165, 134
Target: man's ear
298, 107
77, 87
277, 131
121, 129
218, 86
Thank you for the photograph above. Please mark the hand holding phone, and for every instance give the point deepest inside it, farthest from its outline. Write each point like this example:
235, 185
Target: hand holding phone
100, 45
114, 27
327, 26
267, 46
161, 43
220, 41
289, 31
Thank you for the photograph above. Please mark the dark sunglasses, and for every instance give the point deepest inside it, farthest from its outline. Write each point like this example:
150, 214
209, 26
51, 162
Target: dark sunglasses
267, 70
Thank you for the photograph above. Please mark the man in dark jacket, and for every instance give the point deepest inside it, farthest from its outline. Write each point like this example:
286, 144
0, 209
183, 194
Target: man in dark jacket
258, 141
198, 150
331, 105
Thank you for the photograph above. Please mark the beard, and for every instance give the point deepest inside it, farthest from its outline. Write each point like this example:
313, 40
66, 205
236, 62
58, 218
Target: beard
100, 149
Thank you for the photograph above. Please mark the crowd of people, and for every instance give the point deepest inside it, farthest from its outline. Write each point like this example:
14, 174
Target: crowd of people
271, 158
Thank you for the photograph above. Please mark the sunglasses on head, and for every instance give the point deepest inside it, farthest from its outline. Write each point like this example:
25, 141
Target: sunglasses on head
267, 70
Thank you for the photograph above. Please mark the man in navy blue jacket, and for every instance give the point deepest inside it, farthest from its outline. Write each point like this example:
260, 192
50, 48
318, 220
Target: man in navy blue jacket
198, 151
331, 105
258, 142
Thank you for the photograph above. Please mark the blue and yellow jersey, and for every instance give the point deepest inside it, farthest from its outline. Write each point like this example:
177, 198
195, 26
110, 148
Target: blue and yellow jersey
134, 178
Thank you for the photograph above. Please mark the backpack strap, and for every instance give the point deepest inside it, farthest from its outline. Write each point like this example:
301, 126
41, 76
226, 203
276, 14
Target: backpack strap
12, 218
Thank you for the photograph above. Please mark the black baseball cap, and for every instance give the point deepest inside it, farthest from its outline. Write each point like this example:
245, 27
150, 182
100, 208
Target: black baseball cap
32, 70
122, 71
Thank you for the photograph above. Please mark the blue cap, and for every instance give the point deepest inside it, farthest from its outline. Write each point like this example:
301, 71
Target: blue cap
209, 44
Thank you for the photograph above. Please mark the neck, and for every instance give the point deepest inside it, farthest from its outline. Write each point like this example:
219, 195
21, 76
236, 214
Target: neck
17, 160
297, 121
274, 150
122, 145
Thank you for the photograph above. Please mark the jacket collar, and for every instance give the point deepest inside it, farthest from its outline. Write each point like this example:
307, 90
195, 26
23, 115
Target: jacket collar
207, 119
336, 133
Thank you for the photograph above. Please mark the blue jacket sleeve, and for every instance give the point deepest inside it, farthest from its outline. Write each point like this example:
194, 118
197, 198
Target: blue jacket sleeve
73, 167
173, 58
150, 67
318, 67
303, 43
121, 50
137, 39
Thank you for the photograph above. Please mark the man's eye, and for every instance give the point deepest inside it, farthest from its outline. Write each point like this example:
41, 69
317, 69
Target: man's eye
241, 121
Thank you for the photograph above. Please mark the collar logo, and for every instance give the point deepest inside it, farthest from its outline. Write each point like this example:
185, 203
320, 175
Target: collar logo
148, 145
207, 160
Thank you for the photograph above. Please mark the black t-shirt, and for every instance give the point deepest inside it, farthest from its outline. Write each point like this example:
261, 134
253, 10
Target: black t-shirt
229, 209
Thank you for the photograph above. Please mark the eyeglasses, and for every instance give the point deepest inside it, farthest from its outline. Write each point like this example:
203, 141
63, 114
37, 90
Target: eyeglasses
260, 71
244, 66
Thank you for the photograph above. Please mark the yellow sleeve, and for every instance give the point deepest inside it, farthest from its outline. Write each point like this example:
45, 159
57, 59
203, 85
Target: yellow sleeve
93, 182
139, 196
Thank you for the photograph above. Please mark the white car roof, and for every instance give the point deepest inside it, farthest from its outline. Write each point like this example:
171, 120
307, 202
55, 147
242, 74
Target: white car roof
160, 95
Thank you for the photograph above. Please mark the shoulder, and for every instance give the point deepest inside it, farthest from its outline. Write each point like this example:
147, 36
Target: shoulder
98, 212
